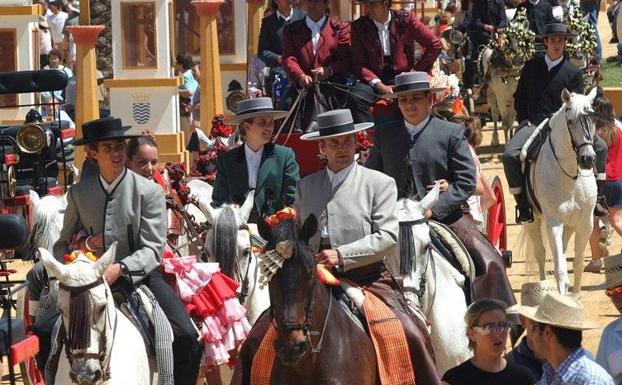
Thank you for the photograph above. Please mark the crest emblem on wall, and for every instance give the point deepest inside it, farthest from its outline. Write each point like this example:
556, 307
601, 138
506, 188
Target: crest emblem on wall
141, 108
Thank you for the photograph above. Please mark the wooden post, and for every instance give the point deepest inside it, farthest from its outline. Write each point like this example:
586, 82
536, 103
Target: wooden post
85, 12
211, 82
87, 104
255, 15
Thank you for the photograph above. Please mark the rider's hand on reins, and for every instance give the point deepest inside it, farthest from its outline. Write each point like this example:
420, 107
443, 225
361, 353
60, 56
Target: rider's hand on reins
443, 186
383, 89
321, 73
328, 257
306, 81
113, 272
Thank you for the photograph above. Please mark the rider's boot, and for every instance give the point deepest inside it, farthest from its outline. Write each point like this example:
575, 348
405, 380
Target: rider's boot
524, 213
601, 209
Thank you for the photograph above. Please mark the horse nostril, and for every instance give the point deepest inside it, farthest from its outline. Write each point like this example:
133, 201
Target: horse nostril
97, 375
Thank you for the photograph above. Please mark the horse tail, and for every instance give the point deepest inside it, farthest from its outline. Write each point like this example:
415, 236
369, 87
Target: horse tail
529, 248
225, 242
47, 222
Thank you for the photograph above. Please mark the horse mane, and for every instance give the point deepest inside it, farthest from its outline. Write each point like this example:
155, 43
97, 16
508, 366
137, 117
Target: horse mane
225, 241
47, 224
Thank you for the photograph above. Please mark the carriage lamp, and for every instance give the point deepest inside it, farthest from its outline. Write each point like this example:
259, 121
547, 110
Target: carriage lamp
32, 139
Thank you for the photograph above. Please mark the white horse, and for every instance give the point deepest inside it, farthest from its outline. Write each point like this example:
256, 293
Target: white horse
433, 285
564, 185
228, 242
47, 219
102, 346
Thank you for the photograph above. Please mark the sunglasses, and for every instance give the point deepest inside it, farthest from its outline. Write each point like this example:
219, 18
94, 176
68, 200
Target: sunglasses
613, 291
488, 329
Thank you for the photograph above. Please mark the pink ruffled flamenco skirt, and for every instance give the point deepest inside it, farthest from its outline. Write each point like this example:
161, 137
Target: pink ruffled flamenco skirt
210, 297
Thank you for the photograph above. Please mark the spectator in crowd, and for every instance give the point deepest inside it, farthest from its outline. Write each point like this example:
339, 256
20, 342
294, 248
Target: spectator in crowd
612, 13
55, 57
487, 330
56, 20
609, 354
196, 98
483, 197
488, 16
531, 294
45, 41
463, 22
69, 46
183, 66
591, 9
556, 334
610, 130
280, 13
257, 72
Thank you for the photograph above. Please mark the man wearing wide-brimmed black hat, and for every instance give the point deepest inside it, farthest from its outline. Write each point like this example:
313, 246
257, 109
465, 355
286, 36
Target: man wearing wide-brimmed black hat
118, 206
537, 97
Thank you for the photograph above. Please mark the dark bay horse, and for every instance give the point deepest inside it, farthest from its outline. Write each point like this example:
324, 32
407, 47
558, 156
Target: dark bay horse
317, 341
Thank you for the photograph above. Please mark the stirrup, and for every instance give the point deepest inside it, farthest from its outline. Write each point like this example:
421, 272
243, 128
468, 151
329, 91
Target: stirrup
520, 219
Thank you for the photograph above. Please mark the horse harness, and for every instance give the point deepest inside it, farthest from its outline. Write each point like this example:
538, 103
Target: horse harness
305, 326
102, 356
586, 134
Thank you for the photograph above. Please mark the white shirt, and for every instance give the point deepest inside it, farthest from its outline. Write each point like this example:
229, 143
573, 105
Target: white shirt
315, 28
534, 2
45, 41
383, 34
416, 128
109, 187
253, 160
57, 23
281, 16
552, 63
336, 179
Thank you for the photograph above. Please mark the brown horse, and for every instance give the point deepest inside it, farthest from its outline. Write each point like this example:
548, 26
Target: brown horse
317, 341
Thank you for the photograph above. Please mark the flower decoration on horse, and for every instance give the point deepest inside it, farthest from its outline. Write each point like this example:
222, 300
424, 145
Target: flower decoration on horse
583, 47
74, 255
514, 45
204, 166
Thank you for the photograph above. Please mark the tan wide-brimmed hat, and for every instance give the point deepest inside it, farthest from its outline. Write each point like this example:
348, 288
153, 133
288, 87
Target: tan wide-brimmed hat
558, 310
532, 294
612, 265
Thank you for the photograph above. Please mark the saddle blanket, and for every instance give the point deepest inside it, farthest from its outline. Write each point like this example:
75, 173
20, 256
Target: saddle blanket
387, 335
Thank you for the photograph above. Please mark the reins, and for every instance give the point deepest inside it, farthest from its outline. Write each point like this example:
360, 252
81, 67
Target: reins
589, 142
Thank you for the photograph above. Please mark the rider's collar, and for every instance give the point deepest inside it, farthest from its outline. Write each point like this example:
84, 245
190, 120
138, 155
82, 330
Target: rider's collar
415, 128
550, 63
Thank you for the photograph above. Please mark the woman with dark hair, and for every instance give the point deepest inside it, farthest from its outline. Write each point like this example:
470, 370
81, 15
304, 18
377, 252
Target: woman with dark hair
260, 165
143, 156
183, 66
610, 130
487, 331
55, 62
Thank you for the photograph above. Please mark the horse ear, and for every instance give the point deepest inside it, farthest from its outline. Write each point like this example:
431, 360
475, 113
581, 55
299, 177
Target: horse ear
566, 95
246, 208
430, 198
308, 229
102, 263
53, 267
592, 95
264, 229
206, 206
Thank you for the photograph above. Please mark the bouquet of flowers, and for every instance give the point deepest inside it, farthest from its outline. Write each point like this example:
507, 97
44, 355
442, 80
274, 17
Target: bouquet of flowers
177, 173
204, 165
449, 83
515, 44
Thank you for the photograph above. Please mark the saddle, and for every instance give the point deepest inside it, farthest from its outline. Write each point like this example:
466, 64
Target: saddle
529, 156
454, 251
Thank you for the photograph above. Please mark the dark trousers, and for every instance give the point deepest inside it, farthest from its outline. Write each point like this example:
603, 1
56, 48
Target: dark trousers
513, 165
362, 97
186, 348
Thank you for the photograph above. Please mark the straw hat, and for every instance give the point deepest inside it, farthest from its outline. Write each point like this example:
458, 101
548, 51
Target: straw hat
613, 272
43, 22
532, 294
251, 108
558, 310
408, 82
335, 123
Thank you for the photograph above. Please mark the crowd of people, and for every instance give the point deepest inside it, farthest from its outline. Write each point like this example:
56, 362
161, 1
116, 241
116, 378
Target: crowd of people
355, 205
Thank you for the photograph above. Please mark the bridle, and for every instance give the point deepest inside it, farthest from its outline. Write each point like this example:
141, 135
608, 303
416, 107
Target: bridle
585, 128
104, 354
306, 326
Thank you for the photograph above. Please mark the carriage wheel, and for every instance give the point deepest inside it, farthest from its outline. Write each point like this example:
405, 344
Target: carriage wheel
28, 369
496, 228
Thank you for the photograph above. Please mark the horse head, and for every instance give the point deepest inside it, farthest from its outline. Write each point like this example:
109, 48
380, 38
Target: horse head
87, 313
574, 117
414, 237
228, 239
293, 286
